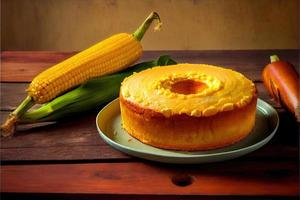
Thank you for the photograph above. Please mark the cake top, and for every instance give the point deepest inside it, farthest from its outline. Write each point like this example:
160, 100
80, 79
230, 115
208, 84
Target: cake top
191, 89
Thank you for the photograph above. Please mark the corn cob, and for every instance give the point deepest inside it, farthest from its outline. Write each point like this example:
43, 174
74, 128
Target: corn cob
88, 96
108, 56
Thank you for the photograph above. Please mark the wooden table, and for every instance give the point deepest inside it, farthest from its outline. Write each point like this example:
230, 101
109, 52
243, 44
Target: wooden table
70, 160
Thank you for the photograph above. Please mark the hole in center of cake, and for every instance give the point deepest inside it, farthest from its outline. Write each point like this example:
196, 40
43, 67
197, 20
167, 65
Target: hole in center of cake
188, 87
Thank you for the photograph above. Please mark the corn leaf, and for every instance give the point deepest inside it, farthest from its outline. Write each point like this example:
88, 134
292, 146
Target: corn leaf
88, 96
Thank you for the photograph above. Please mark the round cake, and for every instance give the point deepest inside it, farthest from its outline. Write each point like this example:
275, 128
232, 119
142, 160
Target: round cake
188, 107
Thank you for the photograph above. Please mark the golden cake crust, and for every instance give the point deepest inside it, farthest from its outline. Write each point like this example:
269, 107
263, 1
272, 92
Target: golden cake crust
183, 132
173, 122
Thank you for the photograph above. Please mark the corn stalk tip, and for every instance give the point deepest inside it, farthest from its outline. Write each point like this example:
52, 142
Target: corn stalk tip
9, 126
155, 15
139, 33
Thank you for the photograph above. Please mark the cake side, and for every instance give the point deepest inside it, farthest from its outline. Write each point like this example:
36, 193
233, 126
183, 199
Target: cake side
183, 132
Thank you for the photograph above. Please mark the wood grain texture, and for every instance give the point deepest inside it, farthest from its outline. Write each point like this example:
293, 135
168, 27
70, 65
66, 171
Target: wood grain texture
33, 196
70, 158
38, 196
64, 141
23, 66
235, 178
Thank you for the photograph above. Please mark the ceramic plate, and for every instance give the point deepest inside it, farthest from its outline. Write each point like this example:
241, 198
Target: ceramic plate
108, 123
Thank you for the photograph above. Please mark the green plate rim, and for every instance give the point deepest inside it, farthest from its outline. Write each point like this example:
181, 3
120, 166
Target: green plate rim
260, 143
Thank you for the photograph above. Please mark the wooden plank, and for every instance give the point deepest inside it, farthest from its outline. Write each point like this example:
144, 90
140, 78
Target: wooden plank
58, 141
68, 142
38, 196
66, 153
229, 56
78, 131
34, 56
23, 66
14, 93
268, 172
235, 178
102, 153
33, 196
18, 66
64, 141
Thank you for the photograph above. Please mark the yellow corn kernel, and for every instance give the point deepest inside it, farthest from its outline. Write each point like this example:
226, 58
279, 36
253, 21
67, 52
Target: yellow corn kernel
108, 56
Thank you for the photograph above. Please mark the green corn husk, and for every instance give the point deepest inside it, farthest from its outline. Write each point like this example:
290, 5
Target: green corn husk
90, 95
